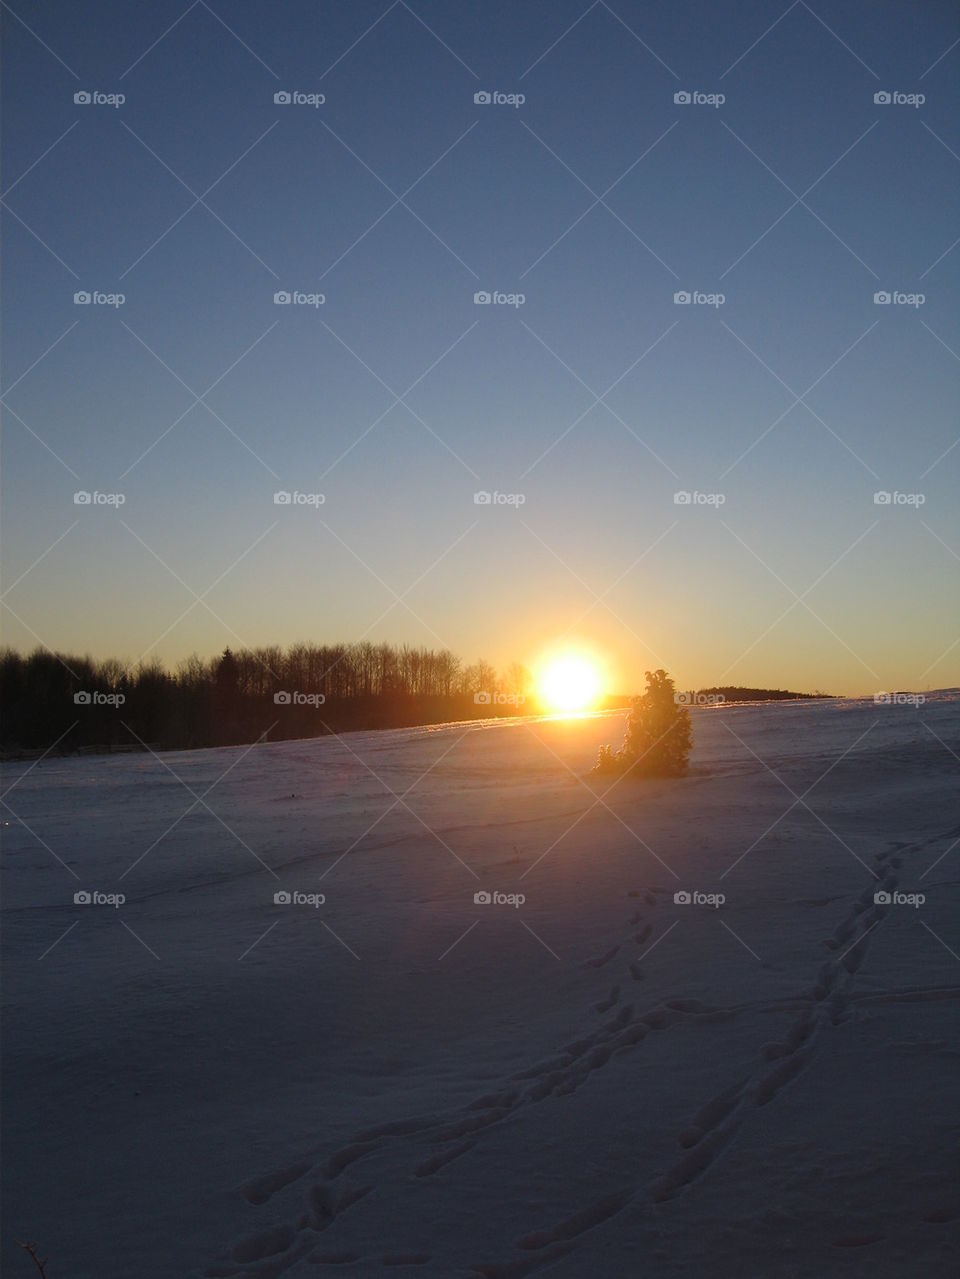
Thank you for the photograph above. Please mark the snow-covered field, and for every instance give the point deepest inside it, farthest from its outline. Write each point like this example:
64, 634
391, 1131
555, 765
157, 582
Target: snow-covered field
596, 1081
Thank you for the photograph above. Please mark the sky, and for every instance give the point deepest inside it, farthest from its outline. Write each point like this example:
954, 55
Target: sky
579, 193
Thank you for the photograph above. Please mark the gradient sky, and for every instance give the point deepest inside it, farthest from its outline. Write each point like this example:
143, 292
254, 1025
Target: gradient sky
598, 198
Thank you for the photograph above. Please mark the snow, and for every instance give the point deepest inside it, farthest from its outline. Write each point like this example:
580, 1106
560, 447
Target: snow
595, 1081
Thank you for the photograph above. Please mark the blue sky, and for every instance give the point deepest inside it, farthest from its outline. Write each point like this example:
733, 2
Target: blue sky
597, 399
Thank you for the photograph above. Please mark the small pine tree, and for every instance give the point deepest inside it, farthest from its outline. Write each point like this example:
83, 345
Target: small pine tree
658, 737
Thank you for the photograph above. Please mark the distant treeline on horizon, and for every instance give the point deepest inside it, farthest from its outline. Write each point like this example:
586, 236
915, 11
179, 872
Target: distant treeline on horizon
80, 704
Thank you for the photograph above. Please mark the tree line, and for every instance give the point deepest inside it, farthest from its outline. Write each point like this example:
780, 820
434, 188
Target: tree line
301, 691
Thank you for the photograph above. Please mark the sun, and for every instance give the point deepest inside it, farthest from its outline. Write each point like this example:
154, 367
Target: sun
570, 683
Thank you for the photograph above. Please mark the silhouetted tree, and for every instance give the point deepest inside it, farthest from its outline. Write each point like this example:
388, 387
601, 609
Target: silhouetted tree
658, 739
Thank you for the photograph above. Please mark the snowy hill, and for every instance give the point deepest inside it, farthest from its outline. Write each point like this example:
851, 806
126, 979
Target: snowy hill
600, 1079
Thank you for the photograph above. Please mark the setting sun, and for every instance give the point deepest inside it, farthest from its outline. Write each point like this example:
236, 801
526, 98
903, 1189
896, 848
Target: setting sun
570, 683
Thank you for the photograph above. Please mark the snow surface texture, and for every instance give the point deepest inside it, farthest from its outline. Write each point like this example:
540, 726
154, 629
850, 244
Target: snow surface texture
598, 1081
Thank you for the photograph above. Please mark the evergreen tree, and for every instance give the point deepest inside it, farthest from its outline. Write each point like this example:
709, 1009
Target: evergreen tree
658, 737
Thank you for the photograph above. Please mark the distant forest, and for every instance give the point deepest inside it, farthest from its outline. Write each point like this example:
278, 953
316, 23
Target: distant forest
733, 693
78, 704
302, 691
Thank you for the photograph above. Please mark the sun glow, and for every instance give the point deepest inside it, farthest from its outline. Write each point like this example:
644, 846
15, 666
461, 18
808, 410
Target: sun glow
570, 683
